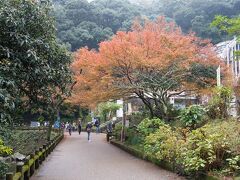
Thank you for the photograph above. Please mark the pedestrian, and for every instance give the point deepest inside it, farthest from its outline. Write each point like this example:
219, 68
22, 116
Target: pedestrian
79, 127
69, 129
97, 124
88, 129
66, 126
109, 130
74, 126
63, 126
109, 127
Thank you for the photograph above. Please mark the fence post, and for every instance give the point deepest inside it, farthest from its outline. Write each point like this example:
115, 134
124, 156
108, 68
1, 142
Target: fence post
20, 170
32, 167
45, 149
49, 146
41, 156
27, 173
9, 176
37, 160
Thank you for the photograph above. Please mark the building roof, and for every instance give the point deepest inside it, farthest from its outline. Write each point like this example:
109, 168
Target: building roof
223, 47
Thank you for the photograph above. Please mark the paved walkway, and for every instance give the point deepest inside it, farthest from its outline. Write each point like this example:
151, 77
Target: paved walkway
77, 159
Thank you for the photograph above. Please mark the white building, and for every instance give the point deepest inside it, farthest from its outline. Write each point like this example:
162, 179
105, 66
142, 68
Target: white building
225, 51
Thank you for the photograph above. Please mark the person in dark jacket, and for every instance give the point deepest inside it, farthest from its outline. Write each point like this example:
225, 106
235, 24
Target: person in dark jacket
70, 129
97, 124
88, 129
109, 130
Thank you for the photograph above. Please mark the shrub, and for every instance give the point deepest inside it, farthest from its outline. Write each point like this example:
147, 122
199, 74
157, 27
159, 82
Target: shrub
148, 126
198, 154
27, 141
233, 165
3, 169
192, 116
133, 137
117, 131
211, 147
231, 133
220, 102
162, 144
215, 146
137, 118
4, 150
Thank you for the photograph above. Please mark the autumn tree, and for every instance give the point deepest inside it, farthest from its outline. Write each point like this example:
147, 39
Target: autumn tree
153, 62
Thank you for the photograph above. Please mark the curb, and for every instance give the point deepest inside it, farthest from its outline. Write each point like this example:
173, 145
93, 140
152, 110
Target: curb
163, 164
141, 155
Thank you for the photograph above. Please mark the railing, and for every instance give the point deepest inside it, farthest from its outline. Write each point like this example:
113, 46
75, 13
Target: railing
26, 168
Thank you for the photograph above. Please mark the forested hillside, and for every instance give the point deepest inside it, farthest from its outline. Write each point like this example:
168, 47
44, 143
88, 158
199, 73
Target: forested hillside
196, 15
82, 23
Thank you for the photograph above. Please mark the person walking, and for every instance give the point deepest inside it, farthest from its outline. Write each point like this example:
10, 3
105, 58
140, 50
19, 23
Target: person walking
88, 129
69, 129
79, 127
109, 130
97, 124
66, 126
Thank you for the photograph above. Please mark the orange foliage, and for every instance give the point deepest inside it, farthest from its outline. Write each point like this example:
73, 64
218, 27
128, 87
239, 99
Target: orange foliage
156, 46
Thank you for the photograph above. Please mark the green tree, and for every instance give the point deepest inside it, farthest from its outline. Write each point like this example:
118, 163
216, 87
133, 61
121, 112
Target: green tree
81, 23
33, 65
107, 109
226, 24
220, 103
196, 15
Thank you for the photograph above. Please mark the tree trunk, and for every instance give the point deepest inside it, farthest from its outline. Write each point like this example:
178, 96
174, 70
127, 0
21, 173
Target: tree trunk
149, 106
123, 123
151, 112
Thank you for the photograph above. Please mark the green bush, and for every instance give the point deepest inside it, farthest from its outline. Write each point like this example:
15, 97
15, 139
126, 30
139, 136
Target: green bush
27, 141
3, 169
220, 102
231, 133
199, 152
212, 147
137, 118
117, 131
4, 150
148, 126
192, 116
132, 136
162, 144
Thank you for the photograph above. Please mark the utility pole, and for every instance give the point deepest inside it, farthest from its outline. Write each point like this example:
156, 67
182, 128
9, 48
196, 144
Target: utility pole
219, 76
123, 122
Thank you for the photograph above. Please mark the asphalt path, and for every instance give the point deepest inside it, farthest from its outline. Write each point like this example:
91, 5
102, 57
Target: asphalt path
77, 159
